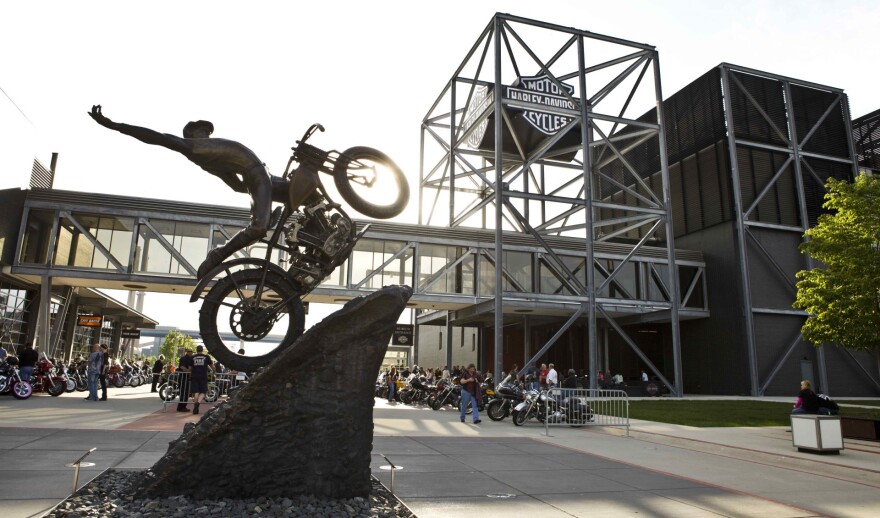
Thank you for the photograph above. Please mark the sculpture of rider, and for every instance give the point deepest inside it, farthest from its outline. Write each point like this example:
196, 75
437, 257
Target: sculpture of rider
237, 166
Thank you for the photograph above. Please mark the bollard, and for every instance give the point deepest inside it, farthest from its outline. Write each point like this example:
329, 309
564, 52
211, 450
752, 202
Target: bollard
392, 468
76, 464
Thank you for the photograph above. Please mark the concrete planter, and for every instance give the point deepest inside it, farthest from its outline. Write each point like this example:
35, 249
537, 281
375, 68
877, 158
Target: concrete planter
816, 433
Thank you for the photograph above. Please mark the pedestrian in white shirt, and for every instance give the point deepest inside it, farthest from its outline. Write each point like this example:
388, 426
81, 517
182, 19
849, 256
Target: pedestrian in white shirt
552, 378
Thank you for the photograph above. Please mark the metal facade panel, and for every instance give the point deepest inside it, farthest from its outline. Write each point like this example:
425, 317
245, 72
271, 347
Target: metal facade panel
751, 95
715, 346
866, 136
810, 108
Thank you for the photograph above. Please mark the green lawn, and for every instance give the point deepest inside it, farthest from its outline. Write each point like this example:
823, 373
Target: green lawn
705, 413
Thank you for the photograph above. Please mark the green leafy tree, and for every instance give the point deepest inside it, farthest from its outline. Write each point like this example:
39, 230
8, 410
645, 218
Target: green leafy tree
175, 340
842, 293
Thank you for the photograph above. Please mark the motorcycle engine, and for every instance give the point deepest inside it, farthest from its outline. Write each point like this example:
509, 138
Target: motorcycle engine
320, 243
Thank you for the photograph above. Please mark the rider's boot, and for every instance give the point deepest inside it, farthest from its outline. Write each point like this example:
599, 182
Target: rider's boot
214, 258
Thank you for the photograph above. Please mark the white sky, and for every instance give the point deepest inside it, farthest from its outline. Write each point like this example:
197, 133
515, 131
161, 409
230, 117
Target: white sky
369, 71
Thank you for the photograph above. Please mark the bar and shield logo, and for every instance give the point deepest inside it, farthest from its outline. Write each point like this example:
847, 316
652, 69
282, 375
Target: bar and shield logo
542, 91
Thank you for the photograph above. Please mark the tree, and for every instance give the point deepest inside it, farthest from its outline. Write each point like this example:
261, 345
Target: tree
175, 340
842, 293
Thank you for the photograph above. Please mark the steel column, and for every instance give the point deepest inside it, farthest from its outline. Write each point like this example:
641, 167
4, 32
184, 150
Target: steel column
742, 256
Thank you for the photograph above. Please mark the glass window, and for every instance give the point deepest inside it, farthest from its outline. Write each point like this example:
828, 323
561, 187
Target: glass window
435, 273
189, 239
368, 257
75, 249
551, 277
14, 305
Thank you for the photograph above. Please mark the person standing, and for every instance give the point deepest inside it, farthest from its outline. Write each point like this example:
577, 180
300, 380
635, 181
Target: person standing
96, 362
184, 369
27, 360
3, 353
158, 365
470, 392
391, 380
552, 377
201, 363
105, 368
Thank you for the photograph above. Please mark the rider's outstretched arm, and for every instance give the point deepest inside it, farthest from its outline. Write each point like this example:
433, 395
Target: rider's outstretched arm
145, 135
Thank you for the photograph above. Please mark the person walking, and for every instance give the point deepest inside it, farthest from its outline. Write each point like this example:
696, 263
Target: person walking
158, 365
105, 368
96, 362
201, 363
470, 392
184, 369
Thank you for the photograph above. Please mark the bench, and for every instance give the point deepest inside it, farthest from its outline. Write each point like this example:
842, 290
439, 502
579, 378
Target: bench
816, 433
860, 428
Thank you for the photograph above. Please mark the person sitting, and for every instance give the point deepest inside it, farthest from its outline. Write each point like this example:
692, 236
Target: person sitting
808, 402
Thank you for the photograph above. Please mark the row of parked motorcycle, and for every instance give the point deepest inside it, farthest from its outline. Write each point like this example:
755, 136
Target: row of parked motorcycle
520, 400
57, 379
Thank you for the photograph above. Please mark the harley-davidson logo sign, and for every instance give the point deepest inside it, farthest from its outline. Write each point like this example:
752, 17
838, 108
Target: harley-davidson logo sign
541, 91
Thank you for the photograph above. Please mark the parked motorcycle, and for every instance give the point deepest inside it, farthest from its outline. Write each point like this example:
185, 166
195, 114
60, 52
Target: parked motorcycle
10, 380
510, 393
46, 378
553, 406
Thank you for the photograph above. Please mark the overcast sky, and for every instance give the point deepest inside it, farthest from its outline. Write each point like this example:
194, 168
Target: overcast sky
369, 71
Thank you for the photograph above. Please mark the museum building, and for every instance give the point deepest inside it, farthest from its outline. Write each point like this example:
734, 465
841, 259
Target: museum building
569, 213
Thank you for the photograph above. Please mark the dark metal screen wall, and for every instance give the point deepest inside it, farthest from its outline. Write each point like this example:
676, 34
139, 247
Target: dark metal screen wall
866, 137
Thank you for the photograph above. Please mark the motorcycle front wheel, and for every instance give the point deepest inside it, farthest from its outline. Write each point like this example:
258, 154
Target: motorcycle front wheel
81, 385
56, 388
249, 304
496, 409
519, 417
364, 175
22, 390
118, 382
70, 385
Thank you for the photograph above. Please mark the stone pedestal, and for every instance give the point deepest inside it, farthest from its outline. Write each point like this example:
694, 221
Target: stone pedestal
303, 425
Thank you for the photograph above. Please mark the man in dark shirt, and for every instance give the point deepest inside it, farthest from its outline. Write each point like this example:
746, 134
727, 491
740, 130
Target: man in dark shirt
470, 392
158, 365
105, 369
26, 361
201, 363
184, 367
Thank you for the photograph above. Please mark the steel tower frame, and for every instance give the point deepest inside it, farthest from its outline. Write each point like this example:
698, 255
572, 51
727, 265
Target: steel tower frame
555, 188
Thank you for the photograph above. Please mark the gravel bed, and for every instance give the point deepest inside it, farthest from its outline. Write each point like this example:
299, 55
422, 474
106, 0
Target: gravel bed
109, 495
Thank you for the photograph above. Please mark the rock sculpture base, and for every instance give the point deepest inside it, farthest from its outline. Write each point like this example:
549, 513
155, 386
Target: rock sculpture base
304, 425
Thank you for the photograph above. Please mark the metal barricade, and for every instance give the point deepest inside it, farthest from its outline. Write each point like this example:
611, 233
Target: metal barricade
586, 407
219, 388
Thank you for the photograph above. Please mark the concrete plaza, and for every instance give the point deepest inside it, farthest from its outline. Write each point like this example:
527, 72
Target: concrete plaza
451, 468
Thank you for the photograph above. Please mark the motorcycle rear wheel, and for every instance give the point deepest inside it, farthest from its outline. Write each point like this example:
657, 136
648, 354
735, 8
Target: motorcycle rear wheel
22, 390
358, 166
213, 393
235, 294
167, 392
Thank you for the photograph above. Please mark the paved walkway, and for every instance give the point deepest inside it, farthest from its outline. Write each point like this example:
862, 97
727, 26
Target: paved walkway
492, 469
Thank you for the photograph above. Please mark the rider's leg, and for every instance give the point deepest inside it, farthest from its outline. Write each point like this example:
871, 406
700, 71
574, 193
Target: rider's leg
261, 209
